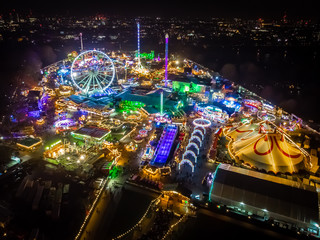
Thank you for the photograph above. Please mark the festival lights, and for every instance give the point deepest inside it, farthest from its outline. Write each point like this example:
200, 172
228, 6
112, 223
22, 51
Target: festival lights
166, 60
201, 122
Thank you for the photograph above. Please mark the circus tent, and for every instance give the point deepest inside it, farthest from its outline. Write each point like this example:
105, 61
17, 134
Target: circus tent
265, 147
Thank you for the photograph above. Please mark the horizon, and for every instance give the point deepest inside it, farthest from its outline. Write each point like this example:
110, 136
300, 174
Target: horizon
226, 9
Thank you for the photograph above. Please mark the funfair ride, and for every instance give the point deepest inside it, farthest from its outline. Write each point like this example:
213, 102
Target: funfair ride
92, 72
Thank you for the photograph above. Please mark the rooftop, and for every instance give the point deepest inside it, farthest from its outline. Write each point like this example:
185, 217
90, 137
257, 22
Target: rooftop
92, 131
29, 141
282, 196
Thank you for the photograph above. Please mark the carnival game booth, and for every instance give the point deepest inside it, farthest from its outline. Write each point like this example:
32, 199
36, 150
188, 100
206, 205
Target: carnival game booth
265, 147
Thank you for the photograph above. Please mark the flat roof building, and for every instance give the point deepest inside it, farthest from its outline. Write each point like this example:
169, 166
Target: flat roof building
267, 196
91, 132
29, 143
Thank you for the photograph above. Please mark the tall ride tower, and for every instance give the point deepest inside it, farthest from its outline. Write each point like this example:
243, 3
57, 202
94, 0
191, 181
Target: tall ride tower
166, 61
81, 43
161, 102
138, 53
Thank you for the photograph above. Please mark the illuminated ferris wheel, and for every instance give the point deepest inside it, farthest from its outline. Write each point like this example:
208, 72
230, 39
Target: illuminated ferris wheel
92, 72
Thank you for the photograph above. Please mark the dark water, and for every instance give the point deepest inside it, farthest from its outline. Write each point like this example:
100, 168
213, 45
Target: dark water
269, 71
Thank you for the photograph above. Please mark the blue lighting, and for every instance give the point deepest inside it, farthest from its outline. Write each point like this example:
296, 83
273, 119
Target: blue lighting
232, 104
213, 178
164, 147
34, 114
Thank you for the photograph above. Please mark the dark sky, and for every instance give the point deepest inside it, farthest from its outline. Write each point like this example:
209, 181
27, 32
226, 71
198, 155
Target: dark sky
224, 8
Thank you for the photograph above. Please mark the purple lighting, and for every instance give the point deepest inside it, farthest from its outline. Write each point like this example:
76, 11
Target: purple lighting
164, 147
64, 123
166, 61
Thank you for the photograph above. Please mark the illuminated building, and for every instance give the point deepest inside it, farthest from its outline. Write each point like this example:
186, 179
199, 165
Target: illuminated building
151, 100
148, 56
265, 147
54, 149
285, 201
187, 87
91, 133
29, 143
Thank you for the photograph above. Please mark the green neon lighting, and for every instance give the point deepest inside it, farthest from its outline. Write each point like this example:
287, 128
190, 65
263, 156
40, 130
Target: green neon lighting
128, 106
186, 87
245, 120
148, 56
161, 104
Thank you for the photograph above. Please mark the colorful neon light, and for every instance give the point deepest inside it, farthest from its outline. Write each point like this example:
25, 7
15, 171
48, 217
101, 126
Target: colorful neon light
213, 178
64, 123
166, 60
195, 146
198, 131
201, 122
161, 103
189, 152
149, 56
231, 104
186, 161
138, 30
197, 138
251, 103
201, 128
164, 147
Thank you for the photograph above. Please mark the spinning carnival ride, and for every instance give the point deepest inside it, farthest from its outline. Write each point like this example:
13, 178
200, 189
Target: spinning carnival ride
92, 72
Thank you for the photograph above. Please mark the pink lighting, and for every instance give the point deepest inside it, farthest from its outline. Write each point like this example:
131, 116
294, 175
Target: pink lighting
166, 61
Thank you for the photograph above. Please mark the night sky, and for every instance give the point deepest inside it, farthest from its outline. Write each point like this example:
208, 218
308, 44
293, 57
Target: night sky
271, 9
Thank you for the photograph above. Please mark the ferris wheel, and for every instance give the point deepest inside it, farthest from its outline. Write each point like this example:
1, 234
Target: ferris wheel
92, 71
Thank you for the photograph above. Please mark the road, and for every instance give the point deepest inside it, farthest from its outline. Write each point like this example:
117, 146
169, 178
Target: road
96, 216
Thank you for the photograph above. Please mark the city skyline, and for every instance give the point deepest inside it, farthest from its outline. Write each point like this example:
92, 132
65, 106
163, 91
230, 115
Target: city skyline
229, 9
